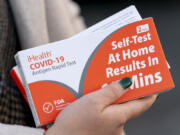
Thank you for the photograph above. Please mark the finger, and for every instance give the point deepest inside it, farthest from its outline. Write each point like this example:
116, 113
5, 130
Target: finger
112, 92
126, 111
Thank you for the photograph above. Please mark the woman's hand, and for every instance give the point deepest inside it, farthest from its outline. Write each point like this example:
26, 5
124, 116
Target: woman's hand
94, 114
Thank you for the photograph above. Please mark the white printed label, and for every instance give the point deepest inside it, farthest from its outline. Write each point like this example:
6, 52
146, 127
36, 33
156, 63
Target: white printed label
142, 28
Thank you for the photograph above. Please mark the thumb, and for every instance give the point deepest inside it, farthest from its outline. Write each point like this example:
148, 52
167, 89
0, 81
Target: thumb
112, 92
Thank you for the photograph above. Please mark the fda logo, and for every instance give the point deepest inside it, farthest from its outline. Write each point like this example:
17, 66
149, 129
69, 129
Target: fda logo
48, 107
142, 28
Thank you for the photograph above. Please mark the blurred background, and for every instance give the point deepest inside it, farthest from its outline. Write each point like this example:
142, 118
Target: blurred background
164, 117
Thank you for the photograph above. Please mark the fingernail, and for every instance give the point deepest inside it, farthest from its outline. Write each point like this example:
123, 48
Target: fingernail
125, 82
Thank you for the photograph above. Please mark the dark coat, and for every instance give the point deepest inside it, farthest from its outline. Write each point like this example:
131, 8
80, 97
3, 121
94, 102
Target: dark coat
13, 108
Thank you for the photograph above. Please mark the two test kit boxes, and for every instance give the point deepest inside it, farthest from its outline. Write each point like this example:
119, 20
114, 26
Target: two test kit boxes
52, 76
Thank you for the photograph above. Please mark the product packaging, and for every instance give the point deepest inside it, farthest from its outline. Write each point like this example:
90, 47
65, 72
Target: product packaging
54, 75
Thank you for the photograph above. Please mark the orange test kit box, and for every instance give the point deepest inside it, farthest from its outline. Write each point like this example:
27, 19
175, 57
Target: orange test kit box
57, 74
